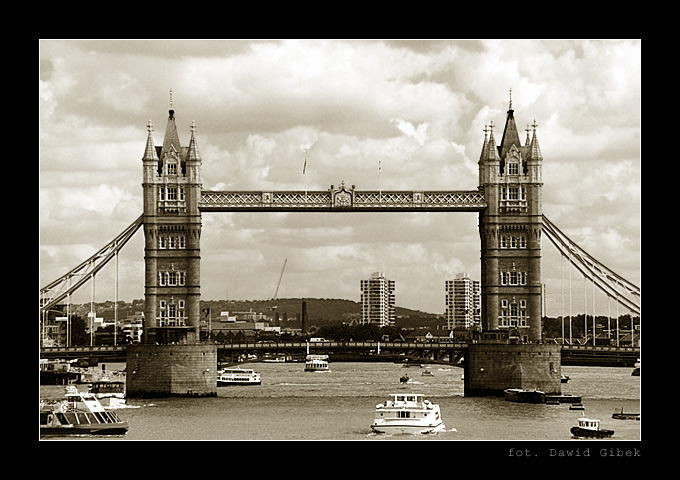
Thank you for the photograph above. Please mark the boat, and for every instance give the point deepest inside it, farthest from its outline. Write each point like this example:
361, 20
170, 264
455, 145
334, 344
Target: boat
404, 379
524, 396
407, 414
316, 363
111, 394
625, 416
79, 413
427, 373
275, 360
576, 406
566, 398
636, 370
565, 378
237, 376
590, 428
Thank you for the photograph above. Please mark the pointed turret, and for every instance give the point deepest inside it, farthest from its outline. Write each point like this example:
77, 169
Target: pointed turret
510, 135
192, 152
492, 149
150, 150
534, 150
171, 140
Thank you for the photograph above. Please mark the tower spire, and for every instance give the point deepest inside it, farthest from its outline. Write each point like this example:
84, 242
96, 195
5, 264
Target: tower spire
534, 150
192, 151
150, 150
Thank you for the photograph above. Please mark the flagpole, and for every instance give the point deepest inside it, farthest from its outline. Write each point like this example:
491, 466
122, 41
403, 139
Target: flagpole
304, 172
379, 181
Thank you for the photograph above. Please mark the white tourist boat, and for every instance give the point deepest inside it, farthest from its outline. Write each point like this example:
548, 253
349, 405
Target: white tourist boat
407, 413
111, 394
316, 363
237, 376
79, 413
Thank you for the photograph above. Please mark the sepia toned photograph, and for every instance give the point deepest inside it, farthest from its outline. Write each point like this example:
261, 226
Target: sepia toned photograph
358, 240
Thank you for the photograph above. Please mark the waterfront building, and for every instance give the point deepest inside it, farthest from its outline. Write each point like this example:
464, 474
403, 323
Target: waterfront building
377, 300
463, 302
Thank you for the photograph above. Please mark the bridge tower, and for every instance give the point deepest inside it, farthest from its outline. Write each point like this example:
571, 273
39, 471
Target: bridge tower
171, 361
172, 231
511, 354
510, 230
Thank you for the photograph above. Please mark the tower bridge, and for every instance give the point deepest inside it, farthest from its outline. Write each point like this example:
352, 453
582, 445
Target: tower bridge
508, 200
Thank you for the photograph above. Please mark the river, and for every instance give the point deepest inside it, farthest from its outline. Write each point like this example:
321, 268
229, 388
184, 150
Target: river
292, 404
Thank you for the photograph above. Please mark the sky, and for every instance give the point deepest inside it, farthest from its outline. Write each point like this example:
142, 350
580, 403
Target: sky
394, 114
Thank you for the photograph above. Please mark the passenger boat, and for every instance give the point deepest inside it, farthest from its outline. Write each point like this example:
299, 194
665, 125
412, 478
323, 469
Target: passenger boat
407, 414
590, 428
625, 416
316, 363
237, 376
110, 394
80, 413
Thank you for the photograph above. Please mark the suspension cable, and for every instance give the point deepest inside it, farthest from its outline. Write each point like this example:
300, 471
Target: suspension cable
604, 278
57, 290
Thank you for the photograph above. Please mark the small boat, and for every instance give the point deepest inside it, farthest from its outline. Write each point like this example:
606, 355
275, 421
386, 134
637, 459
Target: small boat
427, 373
404, 379
524, 396
590, 428
80, 413
275, 360
316, 363
407, 414
237, 376
576, 406
625, 416
109, 393
565, 378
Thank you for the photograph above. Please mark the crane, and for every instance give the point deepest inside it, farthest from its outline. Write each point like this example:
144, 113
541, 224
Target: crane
279, 283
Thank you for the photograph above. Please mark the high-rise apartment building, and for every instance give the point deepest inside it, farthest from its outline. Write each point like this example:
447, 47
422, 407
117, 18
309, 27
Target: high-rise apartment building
463, 302
377, 300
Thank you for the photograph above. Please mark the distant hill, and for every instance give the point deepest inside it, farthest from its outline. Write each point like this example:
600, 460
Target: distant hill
320, 311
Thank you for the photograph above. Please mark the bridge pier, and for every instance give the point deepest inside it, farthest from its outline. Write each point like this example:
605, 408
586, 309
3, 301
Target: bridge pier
171, 370
490, 368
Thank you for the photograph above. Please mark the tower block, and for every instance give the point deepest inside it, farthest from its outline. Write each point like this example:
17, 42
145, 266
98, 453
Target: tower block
510, 175
170, 360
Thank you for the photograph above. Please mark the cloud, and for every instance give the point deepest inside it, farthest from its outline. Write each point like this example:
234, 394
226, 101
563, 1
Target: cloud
416, 109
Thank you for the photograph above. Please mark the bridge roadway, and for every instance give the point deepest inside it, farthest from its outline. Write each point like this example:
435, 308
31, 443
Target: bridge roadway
435, 352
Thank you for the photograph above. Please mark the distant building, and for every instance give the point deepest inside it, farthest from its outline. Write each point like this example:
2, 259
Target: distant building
463, 302
377, 300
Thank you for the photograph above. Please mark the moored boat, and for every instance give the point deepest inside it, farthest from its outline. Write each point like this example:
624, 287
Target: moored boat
316, 363
590, 428
80, 413
237, 376
524, 396
407, 414
625, 416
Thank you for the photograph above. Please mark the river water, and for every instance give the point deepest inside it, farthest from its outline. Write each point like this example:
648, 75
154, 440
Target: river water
292, 404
